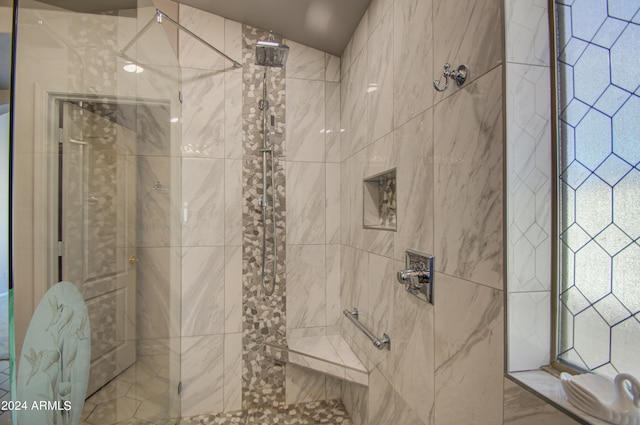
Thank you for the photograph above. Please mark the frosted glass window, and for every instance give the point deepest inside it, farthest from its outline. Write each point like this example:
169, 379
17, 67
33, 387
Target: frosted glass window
598, 63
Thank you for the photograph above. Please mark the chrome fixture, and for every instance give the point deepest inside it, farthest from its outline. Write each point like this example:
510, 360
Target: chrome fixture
459, 75
269, 53
418, 276
380, 344
161, 17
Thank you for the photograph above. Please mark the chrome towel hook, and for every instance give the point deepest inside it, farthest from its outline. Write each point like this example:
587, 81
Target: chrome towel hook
460, 75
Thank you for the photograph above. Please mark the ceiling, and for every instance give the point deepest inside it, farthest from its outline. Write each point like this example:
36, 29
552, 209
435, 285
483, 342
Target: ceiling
326, 25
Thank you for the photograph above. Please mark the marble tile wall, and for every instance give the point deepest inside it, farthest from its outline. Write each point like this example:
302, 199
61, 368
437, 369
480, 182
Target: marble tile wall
448, 151
528, 164
313, 209
211, 210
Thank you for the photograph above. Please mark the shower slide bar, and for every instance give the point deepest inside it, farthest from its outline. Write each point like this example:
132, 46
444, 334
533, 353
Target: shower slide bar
380, 344
159, 17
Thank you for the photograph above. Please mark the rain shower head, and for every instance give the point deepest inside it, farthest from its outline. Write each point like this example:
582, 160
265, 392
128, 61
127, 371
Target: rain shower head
271, 53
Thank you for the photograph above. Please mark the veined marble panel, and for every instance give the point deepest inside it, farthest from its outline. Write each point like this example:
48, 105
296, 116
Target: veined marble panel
306, 295
332, 122
305, 120
468, 183
232, 372
377, 10
332, 284
203, 288
233, 202
202, 375
153, 293
203, 113
470, 35
203, 200
305, 192
360, 36
356, 400
381, 406
414, 147
209, 27
380, 79
233, 289
403, 414
468, 352
382, 291
527, 31
412, 56
345, 116
332, 68
358, 103
304, 385
305, 62
332, 204
153, 206
413, 347
233, 114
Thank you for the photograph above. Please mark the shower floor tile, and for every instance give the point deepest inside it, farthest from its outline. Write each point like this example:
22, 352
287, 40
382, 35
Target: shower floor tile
319, 412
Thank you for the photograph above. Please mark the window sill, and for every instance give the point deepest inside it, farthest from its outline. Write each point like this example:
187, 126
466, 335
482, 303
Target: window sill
548, 387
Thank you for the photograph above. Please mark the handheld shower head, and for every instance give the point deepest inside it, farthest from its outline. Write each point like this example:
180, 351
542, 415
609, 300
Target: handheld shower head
271, 53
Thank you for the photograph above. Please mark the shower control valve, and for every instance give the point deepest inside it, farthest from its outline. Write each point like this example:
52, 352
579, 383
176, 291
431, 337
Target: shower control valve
417, 278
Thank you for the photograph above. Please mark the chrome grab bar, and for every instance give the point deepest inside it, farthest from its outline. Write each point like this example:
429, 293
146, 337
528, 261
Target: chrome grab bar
380, 344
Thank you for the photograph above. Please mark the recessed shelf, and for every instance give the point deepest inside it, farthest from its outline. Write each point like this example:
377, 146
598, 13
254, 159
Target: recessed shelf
379, 206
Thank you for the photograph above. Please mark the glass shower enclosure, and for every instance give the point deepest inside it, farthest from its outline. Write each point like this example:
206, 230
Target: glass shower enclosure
96, 183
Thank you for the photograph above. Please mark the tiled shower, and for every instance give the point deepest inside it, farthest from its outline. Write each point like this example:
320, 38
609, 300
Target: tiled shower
339, 122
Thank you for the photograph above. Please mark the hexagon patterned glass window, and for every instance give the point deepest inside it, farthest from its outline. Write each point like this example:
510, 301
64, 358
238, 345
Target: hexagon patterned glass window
598, 64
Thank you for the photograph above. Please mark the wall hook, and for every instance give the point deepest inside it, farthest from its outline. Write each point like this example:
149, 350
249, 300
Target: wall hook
460, 75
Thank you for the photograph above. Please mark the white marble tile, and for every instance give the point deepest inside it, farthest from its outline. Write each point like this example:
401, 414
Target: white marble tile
412, 57
305, 202
403, 414
381, 406
332, 204
203, 291
360, 36
521, 407
202, 375
345, 60
356, 400
415, 182
332, 68
303, 385
413, 348
332, 122
153, 293
527, 31
360, 297
153, 206
377, 9
305, 62
479, 46
468, 183
305, 120
203, 200
529, 336
345, 117
233, 202
233, 114
203, 113
380, 79
332, 284
233, 39
382, 282
468, 352
233, 289
357, 102
306, 296
209, 27
345, 201
232, 372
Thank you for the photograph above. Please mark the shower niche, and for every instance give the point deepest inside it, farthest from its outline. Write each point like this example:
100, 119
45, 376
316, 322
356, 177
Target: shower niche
379, 207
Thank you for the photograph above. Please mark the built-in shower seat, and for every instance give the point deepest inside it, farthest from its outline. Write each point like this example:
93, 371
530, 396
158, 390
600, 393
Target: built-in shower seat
329, 354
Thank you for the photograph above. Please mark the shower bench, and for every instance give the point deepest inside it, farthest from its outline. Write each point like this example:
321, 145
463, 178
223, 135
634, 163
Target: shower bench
329, 354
